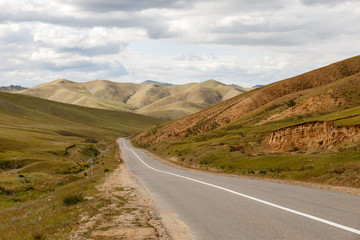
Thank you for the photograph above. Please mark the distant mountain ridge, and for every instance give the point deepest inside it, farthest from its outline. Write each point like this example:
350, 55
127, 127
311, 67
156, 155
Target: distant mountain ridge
157, 83
12, 88
151, 99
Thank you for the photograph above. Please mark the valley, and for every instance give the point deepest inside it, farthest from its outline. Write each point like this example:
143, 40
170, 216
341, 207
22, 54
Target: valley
45, 153
302, 130
181, 120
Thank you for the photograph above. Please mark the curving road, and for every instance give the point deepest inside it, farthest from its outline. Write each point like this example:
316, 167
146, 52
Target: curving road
221, 207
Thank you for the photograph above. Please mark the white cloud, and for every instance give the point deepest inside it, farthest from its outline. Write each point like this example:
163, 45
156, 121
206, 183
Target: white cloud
244, 42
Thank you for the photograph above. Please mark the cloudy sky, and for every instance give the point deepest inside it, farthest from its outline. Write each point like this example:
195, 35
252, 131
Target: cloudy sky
243, 42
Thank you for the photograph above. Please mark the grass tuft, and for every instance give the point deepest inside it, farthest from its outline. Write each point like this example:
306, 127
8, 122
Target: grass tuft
38, 236
72, 199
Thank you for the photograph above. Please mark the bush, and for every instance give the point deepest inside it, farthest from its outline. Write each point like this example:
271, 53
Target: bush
38, 236
291, 103
262, 171
73, 199
90, 152
295, 149
3, 191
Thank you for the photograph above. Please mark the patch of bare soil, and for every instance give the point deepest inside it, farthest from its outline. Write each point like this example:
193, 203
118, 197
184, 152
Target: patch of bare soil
122, 210
313, 136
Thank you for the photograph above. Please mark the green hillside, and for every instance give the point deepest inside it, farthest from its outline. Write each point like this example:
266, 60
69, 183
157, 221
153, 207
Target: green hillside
45, 152
304, 128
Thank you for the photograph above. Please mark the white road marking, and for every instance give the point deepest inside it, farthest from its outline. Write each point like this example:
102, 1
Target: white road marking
349, 229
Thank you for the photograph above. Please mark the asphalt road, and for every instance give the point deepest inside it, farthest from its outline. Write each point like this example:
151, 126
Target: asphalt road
221, 207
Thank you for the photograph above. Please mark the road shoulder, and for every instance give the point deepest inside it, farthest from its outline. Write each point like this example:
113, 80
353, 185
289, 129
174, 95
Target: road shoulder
122, 209
179, 165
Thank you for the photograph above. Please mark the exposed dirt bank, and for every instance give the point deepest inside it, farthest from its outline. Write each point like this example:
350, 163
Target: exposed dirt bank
312, 136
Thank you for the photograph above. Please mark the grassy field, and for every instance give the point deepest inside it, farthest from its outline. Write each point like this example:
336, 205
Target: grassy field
235, 149
45, 152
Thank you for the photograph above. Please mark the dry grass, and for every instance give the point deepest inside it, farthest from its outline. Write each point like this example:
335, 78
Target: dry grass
321, 90
152, 100
228, 136
45, 150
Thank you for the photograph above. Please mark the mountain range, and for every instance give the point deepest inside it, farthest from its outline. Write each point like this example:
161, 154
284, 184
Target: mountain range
156, 83
150, 98
12, 88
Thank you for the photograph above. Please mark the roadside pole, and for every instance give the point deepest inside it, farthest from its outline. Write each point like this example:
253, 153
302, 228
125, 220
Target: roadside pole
91, 166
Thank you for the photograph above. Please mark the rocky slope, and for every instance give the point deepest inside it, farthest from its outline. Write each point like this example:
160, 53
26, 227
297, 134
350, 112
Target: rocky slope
312, 136
12, 88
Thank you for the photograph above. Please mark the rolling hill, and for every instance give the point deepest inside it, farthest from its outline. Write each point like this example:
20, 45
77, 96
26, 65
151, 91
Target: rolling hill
325, 89
39, 130
276, 130
22, 111
167, 102
45, 152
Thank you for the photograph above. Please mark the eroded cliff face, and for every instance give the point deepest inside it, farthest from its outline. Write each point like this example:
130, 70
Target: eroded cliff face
314, 136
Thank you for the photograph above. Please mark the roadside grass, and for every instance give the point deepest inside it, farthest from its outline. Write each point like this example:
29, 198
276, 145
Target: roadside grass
335, 168
42, 209
38, 206
234, 149
45, 152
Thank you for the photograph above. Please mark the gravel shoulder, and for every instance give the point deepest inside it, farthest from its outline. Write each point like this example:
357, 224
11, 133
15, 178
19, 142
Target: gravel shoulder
122, 210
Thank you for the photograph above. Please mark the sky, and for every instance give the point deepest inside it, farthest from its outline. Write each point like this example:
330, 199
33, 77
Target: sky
242, 42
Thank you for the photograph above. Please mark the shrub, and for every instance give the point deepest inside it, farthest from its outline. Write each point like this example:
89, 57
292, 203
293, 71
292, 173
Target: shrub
38, 236
3, 191
339, 170
90, 152
73, 199
291, 103
262, 172
29, 188
91, 140
295, 149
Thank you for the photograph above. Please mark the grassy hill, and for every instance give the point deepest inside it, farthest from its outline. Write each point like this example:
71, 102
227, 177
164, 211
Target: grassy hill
45, 152
302, 128
149, 99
